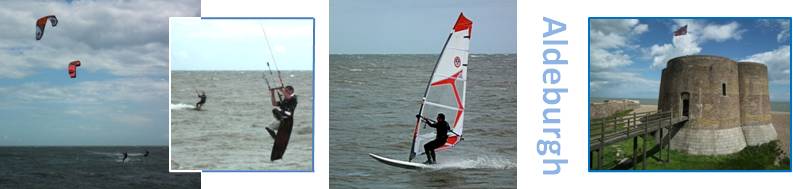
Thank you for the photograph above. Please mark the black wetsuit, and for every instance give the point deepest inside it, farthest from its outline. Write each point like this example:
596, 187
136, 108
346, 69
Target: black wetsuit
287, 108
202, 101
441, 130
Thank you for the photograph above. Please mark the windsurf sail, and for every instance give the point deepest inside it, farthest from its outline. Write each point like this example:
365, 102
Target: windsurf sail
445, 92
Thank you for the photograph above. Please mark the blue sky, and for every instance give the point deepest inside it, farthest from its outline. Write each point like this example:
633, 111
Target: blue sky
627, 55
240, 44
120, 95
419, 26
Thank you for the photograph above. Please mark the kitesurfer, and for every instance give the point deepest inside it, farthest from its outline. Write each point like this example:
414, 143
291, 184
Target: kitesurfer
203, 97
125, 157
284, 109
441, 130
146, 154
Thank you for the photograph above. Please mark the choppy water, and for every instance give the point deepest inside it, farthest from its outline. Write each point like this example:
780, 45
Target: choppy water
229, 133
373, 103
90, 167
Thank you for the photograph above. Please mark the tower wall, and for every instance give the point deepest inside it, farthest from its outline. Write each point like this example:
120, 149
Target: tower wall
710, 85
755, 103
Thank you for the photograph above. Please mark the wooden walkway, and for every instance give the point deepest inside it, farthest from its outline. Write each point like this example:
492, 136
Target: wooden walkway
612, 130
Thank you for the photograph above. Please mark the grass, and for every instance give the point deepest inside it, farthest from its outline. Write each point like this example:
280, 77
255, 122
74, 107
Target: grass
762, 157
614, 153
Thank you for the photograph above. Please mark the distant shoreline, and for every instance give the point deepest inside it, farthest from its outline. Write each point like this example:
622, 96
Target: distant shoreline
776, 106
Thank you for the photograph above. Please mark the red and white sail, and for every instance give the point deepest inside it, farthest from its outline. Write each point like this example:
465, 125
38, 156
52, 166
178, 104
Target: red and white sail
445, 92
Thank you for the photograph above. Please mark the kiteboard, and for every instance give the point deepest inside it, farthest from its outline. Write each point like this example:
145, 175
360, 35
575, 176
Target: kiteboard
445, 93
281, 139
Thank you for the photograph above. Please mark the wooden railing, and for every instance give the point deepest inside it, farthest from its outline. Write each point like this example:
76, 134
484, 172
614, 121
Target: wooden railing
611, 130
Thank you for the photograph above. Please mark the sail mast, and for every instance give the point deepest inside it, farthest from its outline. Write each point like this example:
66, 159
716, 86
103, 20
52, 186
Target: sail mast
424, 98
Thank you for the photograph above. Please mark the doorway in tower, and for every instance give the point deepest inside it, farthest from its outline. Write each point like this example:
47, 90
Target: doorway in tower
684, 98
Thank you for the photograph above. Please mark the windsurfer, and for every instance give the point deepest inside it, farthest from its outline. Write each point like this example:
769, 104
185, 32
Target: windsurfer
441, 130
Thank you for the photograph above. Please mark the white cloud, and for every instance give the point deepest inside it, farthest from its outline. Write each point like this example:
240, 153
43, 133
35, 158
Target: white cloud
123, 38
721, 33
240, 44
608, 37
778, 62
132, 119
242, 29
611, 42
681, 45
782, 25
698, 32
91, 92
622, 84
603, 59
784, 30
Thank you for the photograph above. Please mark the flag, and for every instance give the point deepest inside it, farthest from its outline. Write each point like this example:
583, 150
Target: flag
681, 31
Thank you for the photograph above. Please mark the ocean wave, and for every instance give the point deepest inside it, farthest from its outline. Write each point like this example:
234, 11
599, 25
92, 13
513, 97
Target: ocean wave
480, 162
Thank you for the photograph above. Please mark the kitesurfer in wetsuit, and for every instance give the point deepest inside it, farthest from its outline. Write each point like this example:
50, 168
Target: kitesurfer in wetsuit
125, 157
284, 109
441, 130
201, 102
146, 154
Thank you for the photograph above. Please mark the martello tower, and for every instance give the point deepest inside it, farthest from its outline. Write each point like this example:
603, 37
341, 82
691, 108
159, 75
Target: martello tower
727, 103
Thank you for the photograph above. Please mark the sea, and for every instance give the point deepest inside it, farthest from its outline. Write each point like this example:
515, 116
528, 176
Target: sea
228, 133
90, 167
373, 103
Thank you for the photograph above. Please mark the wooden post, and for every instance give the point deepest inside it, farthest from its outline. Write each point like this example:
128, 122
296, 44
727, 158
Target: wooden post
635, 140
615, 123
600, 157
633, 155
602, 135
644, 147
661, 140
669, 129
